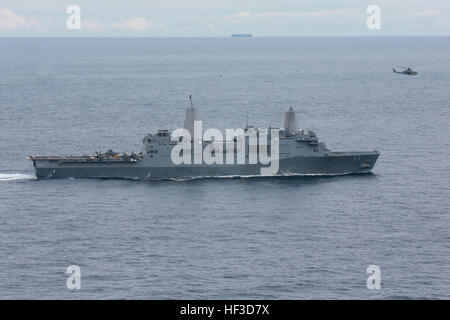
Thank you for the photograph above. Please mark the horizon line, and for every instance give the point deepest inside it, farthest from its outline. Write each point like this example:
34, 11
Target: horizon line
230, 36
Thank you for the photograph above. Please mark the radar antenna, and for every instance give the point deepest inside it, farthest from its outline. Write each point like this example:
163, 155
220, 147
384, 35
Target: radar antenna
246, 120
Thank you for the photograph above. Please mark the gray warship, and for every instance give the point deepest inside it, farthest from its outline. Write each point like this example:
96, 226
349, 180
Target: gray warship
299, 152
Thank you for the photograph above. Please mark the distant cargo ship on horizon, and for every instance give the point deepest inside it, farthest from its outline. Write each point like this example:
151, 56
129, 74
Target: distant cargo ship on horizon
241, 35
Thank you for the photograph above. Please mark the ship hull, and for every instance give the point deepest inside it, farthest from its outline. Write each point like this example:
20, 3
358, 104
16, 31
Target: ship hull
337, 163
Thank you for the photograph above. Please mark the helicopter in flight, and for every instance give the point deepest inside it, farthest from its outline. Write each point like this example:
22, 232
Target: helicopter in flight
405, 70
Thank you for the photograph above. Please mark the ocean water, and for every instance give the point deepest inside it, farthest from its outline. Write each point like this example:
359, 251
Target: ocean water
249, 238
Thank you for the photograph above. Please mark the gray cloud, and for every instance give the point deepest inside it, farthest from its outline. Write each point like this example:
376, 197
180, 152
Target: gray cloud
221, 18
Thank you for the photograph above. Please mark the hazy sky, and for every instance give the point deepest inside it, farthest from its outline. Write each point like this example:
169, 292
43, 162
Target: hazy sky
222, 18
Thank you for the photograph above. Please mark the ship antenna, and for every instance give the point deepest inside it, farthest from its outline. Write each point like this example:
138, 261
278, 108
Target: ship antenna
190, 100
246, 120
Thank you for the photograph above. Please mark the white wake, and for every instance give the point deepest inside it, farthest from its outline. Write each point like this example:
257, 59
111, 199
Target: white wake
16, 177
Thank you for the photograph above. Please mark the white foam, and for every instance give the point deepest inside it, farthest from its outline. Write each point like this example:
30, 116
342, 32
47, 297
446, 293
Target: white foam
15, 177
260, 176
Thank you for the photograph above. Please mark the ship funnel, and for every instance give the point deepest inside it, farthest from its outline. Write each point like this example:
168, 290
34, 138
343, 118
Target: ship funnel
290, 121
190, 117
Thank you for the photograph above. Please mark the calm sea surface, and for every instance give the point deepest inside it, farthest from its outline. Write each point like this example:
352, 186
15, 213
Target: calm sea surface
274, 238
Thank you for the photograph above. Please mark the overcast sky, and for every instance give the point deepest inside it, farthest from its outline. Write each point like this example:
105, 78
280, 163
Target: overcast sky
213, 18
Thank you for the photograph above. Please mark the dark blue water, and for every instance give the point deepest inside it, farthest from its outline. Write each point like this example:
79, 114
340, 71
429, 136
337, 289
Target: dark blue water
271, 238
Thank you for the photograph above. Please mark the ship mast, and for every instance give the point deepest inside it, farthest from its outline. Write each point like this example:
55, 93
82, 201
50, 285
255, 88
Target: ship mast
246, 120
190, 117
290, 121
